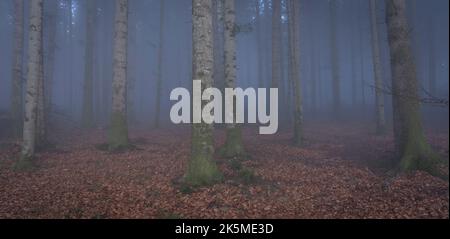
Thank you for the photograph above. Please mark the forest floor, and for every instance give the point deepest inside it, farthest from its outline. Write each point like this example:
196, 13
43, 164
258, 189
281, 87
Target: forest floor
338, 174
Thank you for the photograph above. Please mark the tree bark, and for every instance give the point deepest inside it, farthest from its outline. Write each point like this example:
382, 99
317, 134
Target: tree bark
118, 136
34, 69
414, 152
202, 170
233, 145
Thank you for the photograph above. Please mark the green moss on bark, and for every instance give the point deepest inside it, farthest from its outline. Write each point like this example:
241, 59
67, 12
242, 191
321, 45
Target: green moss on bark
202, 172
233, 146
118, 132
202, 169
25, 163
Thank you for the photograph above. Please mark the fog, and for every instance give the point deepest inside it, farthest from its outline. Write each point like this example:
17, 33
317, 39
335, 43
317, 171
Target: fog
339, 106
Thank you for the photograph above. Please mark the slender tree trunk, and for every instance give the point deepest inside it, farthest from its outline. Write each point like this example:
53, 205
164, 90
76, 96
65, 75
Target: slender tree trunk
294, 50
276, 43
233, 145
50, 64
160, 62
88, 96
414, 151
41, 124
219, 34
379, 97
34, 69
118, 137
17, 82
259, 45
336, 84
432, 60
202, 169
362, 55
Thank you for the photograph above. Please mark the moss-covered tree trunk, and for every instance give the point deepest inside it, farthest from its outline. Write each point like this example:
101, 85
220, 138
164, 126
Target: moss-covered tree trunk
88, 87
160, 64
379, 97
414, 152
294, 50
233, 145
34, 69
17, 85
118, 132
202, 169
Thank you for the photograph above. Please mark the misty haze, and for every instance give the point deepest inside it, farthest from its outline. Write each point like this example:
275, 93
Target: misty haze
359, 127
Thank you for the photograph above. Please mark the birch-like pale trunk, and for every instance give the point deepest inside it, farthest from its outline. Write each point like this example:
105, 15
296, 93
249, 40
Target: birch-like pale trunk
34, 72
118, 135
379, 97
233, 145
412, 147
17, 82
202, 169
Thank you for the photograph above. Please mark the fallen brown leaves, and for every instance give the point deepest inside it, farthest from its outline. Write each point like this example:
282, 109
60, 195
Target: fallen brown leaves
322, 180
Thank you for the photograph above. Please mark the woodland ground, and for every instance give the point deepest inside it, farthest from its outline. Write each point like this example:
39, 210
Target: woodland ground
338, 174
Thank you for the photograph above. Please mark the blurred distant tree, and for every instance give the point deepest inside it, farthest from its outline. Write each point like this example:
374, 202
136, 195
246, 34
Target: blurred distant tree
379, 96
276, 43
160, 63
336, 81
118, 135
17, 78
88, 97
294, 53
50, 18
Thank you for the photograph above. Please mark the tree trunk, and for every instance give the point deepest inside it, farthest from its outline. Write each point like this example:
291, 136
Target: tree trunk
160, 62
259, 45
362, 56
379, 97
293, 9
432, 61
276, 43
17, 83
336, 84
41, 124
202, 169
414, 151
88, 97
34, 69
233, 145
118, 137
50, 63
